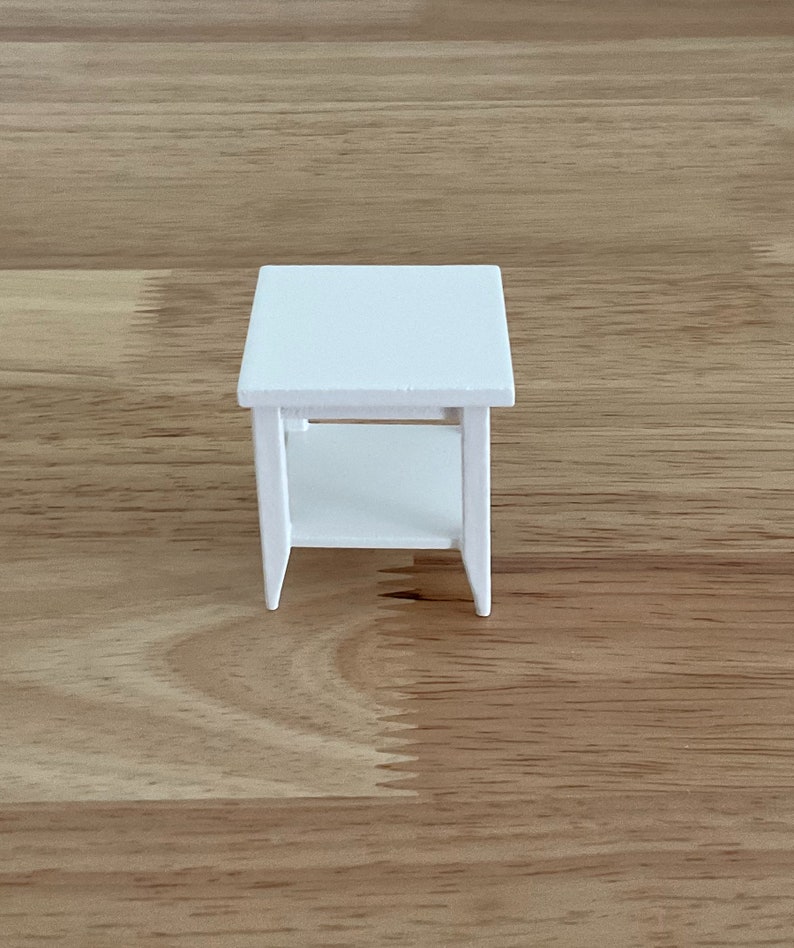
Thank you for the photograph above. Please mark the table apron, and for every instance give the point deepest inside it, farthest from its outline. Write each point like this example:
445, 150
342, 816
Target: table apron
373, 413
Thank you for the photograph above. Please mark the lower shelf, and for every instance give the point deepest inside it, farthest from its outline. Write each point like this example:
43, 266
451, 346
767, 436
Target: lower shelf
387, 486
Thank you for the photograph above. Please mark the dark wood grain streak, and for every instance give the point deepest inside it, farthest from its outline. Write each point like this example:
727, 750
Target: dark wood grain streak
390, 20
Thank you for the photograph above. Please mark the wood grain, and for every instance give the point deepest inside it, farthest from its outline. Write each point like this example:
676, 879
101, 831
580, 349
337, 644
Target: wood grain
609, 756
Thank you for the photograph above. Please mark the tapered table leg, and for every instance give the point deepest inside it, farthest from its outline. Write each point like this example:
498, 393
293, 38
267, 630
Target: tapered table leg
270, 459
476, 544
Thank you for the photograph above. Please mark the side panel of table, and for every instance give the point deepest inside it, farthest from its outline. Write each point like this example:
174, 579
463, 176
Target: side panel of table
275, 530
476, 546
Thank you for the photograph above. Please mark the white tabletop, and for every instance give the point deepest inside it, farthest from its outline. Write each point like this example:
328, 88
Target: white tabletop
347, 336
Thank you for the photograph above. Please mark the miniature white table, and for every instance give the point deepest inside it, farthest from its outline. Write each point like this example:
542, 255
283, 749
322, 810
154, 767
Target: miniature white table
376, 343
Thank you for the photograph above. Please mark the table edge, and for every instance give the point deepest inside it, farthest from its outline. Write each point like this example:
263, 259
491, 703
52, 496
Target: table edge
377, 398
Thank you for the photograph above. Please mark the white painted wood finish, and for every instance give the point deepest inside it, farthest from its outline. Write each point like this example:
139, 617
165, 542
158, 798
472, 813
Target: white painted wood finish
270, 461
376, 343
355, 336
476, 463
296, 421
375, 486
370, 413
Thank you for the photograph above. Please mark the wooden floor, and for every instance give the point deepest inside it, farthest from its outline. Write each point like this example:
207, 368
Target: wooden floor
607, 760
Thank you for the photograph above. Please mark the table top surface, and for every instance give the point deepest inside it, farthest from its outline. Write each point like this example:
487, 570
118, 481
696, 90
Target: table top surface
377, 336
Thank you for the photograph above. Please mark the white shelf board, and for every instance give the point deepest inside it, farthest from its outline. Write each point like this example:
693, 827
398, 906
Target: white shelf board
375, 486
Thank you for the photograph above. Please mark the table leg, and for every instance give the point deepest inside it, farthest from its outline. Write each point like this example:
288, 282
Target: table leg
270, 461
476, 541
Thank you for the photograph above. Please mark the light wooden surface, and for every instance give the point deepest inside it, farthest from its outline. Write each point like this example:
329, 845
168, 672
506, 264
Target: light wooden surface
608, 759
